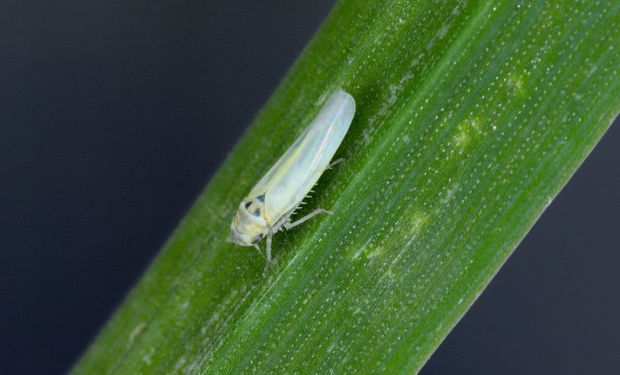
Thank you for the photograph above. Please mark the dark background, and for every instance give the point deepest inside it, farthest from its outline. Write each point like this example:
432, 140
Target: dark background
113, 116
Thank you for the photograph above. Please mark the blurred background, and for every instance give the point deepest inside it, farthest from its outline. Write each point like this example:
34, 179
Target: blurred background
113, 117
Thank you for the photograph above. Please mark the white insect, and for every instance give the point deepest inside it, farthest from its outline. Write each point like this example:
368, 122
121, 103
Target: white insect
269, 206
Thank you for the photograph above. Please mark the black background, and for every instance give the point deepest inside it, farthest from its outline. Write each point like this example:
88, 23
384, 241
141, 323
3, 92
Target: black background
113, 116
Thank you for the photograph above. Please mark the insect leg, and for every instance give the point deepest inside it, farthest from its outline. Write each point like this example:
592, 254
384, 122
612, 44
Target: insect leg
335, 162
269, 235
302, 220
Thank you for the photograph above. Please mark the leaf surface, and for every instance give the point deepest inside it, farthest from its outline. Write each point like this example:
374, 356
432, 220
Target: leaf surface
470, 118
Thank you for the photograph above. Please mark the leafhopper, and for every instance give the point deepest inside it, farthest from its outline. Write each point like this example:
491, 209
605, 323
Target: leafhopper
271, 203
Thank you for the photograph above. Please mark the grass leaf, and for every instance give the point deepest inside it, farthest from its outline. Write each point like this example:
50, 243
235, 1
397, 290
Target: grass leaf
471, 116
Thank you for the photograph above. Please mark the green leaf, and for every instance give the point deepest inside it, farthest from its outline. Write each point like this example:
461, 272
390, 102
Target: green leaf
471, 116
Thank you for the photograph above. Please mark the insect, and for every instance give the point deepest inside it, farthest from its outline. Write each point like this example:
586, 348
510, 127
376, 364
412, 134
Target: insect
269, 206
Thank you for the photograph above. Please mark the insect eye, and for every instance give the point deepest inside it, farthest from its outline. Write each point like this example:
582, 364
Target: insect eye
248, 204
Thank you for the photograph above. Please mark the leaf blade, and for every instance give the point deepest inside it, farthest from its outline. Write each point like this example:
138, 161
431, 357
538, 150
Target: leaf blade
459, 144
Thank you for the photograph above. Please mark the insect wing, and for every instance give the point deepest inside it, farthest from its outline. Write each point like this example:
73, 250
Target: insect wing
293, 175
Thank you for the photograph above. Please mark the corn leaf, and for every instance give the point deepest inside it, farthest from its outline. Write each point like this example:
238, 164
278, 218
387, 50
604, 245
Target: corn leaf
471, 116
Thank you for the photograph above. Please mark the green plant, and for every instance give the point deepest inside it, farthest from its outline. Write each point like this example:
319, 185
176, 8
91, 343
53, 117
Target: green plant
471, 117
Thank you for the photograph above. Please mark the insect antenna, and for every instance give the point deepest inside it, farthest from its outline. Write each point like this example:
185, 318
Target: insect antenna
223, 222
259, 250
216, 215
